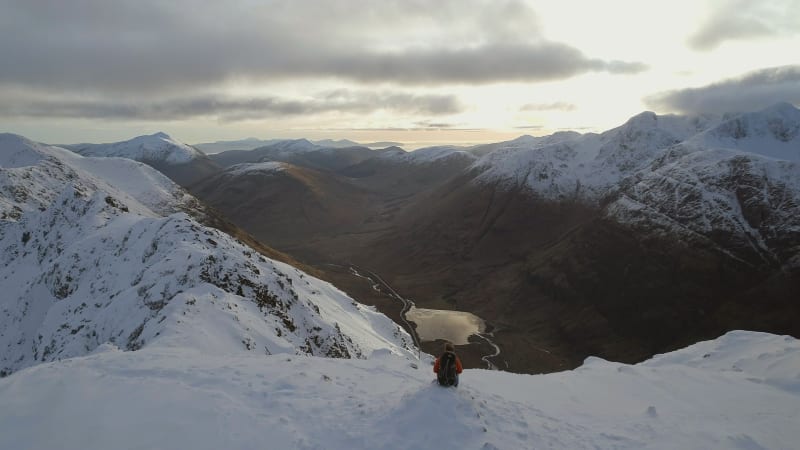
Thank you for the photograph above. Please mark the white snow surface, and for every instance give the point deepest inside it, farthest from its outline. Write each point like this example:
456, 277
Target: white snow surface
158, 147
773, 132
253, 168
741, 391
32, 175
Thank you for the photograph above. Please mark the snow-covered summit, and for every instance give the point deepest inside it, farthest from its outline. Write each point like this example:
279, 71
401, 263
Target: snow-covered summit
568, 165
19, 151
586, 167
33, 175
772, 132
154, 148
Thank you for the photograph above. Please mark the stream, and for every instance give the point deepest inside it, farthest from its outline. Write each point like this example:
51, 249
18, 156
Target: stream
432, 324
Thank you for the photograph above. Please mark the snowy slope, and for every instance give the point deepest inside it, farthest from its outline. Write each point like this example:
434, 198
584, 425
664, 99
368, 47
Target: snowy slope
33, 175
98, 250
773, 132
732, 181
158, 147
746, 203
584, 167
741, 391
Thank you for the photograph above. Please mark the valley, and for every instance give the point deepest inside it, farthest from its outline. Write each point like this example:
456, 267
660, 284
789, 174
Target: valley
578, 265
645, 238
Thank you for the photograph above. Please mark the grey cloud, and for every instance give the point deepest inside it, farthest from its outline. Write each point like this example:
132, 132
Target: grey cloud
752, 91
154, 47
231, 109
746, 19
555, 106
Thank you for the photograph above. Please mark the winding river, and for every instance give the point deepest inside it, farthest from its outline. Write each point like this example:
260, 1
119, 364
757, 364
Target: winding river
433, 324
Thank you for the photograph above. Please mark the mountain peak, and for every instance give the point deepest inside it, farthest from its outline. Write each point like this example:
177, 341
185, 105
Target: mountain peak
19, 151
783, 109
157, 147
11, 138
644, 118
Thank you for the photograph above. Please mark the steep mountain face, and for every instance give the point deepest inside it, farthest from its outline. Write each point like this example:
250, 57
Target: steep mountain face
180, 162
568, 166
298, 209
317, 207
98, 250
396, 173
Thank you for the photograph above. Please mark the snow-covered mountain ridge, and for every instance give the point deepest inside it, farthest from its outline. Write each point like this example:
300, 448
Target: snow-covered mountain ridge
732, 181
182, 163
98, 250
158, 147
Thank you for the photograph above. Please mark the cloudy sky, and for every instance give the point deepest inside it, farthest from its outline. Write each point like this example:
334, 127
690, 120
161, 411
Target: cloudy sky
412, 71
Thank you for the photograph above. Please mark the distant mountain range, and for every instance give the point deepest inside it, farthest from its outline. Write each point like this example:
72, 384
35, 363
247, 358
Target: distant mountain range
626, 243
623, 244
134, 314
252, 143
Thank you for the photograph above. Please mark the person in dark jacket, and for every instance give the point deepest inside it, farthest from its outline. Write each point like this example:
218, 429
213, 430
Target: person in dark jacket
448, 366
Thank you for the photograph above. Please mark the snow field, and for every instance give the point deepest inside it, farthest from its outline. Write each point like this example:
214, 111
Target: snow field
739, 391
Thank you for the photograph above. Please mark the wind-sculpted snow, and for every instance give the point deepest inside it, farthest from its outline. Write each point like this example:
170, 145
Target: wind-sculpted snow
87, 260
155, 148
